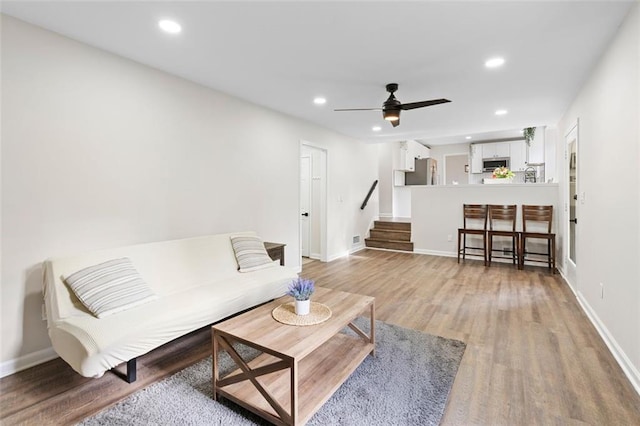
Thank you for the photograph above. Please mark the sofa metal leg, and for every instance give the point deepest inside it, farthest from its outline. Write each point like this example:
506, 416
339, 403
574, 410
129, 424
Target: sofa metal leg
131, 370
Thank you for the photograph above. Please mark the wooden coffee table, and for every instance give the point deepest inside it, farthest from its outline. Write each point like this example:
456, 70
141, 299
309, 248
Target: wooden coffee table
300, 367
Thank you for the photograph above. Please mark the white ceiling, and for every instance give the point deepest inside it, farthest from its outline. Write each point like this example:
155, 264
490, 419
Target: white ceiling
283, 54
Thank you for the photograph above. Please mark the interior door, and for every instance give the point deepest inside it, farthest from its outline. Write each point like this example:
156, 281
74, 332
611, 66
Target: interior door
305, 189
572, 202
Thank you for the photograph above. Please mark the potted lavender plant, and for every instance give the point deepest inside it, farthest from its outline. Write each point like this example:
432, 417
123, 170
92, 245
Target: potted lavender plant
301, 290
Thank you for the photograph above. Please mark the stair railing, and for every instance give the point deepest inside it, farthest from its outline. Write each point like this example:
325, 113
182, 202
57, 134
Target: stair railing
366, 200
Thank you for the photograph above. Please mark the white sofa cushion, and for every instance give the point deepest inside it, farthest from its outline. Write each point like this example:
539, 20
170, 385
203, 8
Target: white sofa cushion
110, 287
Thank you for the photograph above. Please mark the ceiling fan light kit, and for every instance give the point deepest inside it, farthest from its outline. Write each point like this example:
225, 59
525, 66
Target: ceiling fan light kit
391, 115
391, 107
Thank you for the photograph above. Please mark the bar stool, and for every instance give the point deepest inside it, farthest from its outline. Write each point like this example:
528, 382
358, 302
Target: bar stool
503, 216
543, 215
474, 223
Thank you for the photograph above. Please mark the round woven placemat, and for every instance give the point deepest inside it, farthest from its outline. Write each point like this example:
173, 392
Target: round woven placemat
286, 314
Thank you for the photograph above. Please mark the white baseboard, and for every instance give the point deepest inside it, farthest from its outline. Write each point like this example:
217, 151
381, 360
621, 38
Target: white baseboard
385, 214
26, 361
563, 274
620, 356
436, 253
357, 248
625, 363
354, 249
337, 256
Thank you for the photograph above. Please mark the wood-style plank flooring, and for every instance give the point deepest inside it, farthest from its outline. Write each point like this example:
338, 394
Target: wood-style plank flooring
532, 356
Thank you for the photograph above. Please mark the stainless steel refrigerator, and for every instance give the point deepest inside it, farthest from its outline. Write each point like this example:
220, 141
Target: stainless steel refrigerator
426, 173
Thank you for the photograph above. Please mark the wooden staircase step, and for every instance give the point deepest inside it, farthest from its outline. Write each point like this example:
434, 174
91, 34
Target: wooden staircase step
389, 244
390, 234
384, 224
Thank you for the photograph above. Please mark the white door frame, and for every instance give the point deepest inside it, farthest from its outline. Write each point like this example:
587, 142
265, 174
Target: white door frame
570, 268
324, 167
305, 194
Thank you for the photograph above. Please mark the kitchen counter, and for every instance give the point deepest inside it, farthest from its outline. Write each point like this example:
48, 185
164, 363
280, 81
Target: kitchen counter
436, 211
476, 185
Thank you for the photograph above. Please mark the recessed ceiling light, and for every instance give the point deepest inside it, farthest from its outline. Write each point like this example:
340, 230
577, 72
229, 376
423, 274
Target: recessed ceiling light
494, 62
501, 112
467, 137
169, 26
376, 128
319, 101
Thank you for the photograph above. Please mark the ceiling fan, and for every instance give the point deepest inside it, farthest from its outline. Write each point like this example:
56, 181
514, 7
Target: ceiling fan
391, 107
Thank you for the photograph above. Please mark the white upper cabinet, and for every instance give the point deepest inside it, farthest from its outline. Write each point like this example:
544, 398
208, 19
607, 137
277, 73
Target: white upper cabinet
406, 160
535, 150
420, 150
475, 152
495, 150
518, 157
406, 154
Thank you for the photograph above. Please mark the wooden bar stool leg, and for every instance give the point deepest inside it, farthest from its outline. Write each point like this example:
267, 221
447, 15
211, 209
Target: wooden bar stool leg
464, 246
519, 251
484, 244
553, 248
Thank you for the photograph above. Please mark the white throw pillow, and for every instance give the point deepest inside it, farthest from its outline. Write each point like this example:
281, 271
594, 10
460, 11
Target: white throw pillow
110, 287
251, 254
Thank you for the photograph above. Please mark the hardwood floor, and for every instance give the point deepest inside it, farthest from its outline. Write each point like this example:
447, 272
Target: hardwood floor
532, 356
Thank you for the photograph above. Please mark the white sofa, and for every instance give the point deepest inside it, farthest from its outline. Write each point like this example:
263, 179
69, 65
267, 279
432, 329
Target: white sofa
197, 281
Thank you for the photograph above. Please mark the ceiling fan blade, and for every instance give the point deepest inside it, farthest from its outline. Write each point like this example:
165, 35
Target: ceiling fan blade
422, 104
358, 109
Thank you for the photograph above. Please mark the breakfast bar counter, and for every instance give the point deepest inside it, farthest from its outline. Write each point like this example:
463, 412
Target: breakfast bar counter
436, 211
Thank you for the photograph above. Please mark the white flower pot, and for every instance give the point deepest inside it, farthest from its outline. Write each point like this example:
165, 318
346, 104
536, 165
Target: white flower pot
302, 307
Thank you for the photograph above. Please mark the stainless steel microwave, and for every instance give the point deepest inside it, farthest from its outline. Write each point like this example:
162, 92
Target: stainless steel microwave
490, 164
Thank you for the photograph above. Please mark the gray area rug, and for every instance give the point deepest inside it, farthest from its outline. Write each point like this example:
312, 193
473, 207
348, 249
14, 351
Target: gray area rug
407, 383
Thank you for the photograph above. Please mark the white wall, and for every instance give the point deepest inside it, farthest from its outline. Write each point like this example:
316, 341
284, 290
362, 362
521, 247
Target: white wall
552, 141
395, 201
608, 230
99, 151
402, 201
385, 174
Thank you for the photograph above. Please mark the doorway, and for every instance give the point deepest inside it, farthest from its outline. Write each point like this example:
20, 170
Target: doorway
313, 202
571, 202
456, 169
